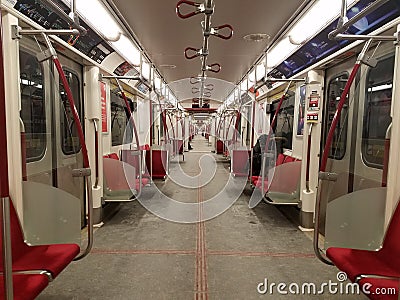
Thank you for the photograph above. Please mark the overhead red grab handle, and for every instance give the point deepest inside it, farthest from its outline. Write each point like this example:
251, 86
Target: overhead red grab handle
212, 68
207, 94
196, 53
215, 31
198, 10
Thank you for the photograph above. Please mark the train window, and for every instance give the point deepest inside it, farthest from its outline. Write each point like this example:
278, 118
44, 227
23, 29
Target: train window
335, 89
378, 99
32, 106
284, 123
119, 121
302, 107
162, 124
70, 143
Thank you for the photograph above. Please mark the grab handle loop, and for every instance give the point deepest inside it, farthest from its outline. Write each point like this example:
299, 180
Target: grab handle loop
216, 31
199, 9
209, 87
194, 80
196, 52
214, 68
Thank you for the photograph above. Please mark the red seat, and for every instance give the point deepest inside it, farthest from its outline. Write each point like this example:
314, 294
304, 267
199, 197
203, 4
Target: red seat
113, 156
26, 287
52, 258
380, 289
280, 159
145, 181
289, 159
145, 147
384, 262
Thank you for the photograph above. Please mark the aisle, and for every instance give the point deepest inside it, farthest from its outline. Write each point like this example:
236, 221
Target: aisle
137, 255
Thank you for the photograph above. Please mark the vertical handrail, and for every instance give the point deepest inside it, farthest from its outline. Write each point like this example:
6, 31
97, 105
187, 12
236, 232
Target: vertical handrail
4, 188
173, 130
96, 152
237, 121
252, 135
309, 140
386, 156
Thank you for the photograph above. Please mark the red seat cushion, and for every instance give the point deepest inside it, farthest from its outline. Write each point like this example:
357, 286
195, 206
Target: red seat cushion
254, 180
380, 289
257, 182
356, 262
145, 181
52, 258
289, 159
280, 159
26, 287
113, 156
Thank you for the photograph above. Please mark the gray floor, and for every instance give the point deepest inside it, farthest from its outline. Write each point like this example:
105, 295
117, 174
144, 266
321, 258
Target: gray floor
137, 255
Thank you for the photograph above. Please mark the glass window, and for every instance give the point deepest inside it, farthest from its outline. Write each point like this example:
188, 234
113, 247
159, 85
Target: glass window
284, 123
378, 99
119, 121
32, 106
335, 89
70, 143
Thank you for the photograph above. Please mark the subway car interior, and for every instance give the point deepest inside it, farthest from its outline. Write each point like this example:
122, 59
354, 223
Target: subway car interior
206, 149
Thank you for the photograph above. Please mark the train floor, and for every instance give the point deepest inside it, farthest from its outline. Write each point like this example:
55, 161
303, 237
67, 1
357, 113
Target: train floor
236, 255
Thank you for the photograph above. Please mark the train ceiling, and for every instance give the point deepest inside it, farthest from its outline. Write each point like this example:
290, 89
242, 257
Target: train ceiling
165, 36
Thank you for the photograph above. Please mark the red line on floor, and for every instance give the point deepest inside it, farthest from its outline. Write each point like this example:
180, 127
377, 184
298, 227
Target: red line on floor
204, 246
261, 254
198, 258
143, 251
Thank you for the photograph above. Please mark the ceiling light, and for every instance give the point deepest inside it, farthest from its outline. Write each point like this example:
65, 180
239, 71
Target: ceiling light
146, 69
260, 71
166, 66
279, 52
128, 50
157, 82
256, 37
316, 18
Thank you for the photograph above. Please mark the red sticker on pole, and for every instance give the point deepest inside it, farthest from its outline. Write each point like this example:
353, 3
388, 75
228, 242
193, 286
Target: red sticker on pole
103, 98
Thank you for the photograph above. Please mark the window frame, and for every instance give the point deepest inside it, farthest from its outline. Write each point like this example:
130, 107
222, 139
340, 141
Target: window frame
62, 111
30, 159
330, 156
364, 145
